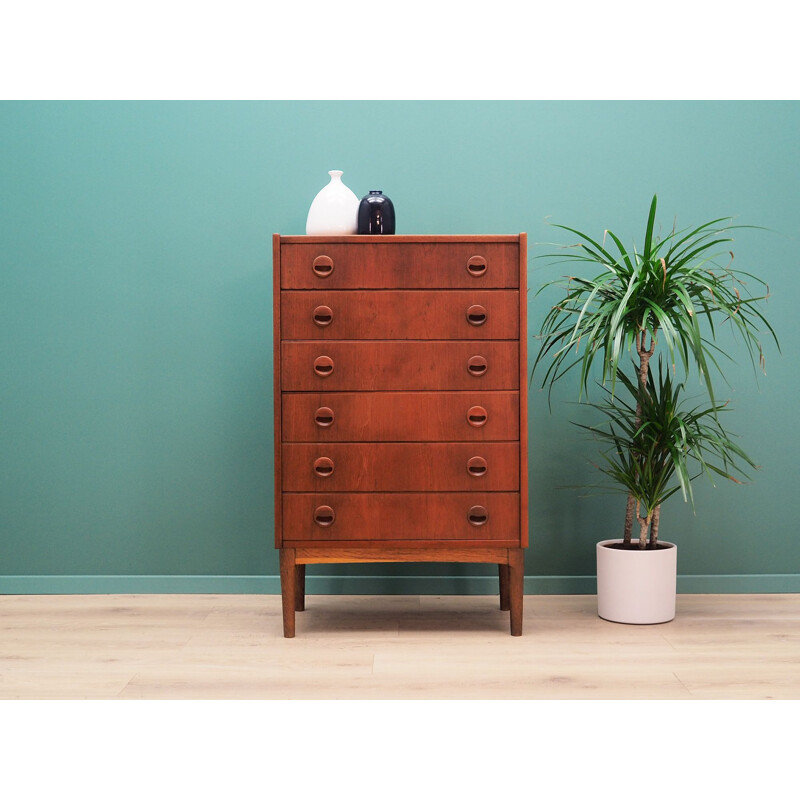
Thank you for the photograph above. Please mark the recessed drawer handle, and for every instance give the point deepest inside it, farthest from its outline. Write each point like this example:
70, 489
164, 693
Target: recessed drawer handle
325, 516
477, 466
476, 315
476, 266
324, 417
478, 516
477, 416
323, 467
323, 316
323, 366
322, 266
477, 366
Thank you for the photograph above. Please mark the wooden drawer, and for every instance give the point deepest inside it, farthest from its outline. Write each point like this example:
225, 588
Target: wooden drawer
400, 263
459, 314
401, 467
400, 417
401, 516
395, 366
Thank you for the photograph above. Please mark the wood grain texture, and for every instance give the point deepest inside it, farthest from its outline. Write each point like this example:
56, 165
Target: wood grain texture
276, 377
399, 357
516, 577
430, 647
288, 590
480, 554
300, 585
398, 366
404, 238
400, 314
401, 467
523, 390
395, 263
400, 417
416, 545
402, 516
502, 574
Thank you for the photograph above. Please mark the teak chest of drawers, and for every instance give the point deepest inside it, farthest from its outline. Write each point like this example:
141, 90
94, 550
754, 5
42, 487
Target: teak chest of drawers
400, 405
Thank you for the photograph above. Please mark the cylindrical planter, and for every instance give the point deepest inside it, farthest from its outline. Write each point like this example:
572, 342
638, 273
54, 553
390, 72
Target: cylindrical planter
636, 586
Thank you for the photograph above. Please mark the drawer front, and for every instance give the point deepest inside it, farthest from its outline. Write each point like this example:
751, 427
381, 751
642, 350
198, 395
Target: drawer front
400, 314
400, 416
484, 516
394, 366
390, 265
401, 467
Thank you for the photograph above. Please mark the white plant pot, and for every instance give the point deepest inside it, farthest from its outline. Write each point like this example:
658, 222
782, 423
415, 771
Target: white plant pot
636, 586
334, 211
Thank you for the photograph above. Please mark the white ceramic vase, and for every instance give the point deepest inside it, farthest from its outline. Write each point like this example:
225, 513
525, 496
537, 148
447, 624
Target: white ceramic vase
636, 586
334, 211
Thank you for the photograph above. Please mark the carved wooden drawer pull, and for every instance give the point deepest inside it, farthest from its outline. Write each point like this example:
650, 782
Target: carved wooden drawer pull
323, 366
323, 417
477, 416
322, 266
477, 366
478, 516
323, 316
477, 466
323, 467
476, 266
476, 315
325, 516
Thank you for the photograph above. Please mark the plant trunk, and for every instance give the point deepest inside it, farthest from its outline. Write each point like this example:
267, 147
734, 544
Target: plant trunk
627, 533
644, 524
642, 533
645, 354
654, 526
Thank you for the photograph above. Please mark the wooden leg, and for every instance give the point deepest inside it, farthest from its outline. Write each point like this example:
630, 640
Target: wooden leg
288, 590
300, 590
516, 578
503, 572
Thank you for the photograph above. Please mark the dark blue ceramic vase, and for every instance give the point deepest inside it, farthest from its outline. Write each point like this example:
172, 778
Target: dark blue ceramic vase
375, 213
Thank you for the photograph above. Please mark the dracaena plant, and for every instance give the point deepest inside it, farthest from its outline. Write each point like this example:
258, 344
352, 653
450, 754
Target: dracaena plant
671, 296
673, 443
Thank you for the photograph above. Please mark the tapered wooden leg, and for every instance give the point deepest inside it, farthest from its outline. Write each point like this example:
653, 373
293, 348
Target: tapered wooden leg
300, 589
516, 579
288, 590
502, 569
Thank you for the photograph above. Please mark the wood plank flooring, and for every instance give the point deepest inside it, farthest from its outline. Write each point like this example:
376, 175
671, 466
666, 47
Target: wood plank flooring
393, 647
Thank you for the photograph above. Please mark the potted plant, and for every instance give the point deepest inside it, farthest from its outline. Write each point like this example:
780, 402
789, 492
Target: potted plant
670, 298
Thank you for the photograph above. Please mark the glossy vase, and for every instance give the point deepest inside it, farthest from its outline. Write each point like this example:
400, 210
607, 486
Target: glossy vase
334, 210
376, 214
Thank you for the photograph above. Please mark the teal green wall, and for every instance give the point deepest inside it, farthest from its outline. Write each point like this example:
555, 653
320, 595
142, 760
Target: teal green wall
135, 330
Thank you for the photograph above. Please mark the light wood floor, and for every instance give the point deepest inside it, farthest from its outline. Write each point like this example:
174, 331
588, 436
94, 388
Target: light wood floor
391, 647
